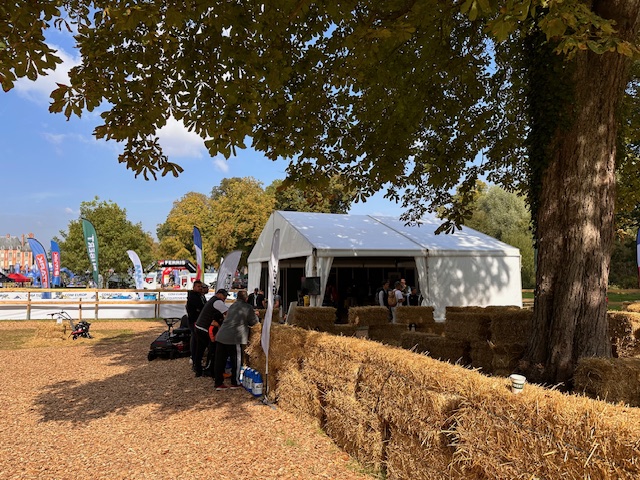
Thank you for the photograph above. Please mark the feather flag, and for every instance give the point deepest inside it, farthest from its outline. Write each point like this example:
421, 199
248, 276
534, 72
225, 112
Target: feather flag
197, 242
138, 276
273, 287
91, 240
55, 262
227, 269
40, 258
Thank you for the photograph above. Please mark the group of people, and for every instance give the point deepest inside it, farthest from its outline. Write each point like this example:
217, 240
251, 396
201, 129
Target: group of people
401, 294
219, 330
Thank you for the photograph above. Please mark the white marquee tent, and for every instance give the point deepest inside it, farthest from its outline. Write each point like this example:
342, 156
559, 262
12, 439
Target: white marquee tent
460, 269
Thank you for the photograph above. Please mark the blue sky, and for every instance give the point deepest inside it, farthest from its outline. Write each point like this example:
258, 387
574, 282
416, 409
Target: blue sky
50, 165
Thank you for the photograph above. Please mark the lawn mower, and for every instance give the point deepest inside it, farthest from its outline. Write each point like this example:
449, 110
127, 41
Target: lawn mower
172, 343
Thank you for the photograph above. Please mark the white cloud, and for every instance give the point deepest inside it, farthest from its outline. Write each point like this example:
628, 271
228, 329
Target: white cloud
177, 141
220, 163
38, 91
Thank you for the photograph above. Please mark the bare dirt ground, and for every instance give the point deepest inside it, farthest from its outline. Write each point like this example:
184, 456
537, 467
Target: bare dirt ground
99, 409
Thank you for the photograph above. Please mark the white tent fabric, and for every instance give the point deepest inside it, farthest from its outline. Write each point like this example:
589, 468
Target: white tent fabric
458, 269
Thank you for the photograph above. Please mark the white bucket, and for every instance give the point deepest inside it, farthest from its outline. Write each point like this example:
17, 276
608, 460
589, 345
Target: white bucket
517, 382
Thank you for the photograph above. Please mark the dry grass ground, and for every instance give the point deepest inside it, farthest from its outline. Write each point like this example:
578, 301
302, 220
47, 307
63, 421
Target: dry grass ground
98, 409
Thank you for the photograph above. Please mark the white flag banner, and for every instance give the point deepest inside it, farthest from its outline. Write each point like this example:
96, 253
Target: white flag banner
138, 277
272, 286
227, 270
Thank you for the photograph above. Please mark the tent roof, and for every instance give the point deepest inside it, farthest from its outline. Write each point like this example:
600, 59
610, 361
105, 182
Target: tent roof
337, 235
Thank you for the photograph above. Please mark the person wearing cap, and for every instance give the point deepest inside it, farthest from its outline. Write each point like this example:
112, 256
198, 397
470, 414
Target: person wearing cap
212, 313
231, 340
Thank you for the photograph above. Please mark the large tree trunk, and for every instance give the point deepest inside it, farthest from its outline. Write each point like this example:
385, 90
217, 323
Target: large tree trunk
575, 211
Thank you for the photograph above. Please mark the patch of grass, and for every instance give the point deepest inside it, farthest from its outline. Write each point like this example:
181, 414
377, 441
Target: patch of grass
366, 470
15, 339
290, 442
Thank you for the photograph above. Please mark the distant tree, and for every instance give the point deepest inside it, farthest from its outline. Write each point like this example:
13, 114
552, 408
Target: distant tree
331, 196
240, 210
175, 235
505, 216
624, 270
116, 234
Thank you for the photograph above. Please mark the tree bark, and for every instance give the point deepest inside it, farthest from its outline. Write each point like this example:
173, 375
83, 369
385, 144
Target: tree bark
575, 212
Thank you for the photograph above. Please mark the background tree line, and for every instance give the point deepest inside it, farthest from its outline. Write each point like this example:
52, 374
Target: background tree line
233, 215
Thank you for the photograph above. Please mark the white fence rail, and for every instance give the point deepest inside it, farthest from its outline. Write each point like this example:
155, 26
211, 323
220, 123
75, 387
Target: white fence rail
38, 304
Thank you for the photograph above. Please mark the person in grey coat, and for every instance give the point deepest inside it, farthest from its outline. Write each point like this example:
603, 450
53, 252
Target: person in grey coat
231, 339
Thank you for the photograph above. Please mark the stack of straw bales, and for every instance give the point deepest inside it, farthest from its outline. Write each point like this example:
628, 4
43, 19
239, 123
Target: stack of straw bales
634, 307
492, 338
624, 330
611, 379
314, 318
411, 416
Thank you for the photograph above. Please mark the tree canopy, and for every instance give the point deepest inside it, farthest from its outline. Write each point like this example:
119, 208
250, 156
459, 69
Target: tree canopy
115, 235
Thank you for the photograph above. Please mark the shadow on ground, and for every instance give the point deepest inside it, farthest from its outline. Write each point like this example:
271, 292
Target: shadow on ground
115, 377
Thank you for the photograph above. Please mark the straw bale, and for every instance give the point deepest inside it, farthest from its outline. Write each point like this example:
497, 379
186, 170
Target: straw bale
542, 433
634, 307
367, 316
481, 355
390, 333
469, 327
435, 346
331, 372
418, 315
510, 325
355, 429
287, 343
51, 330
296, 394
343, 330
312, 318
611, 379
435, 328
470, 309
409, 458
624, 330
506, 358
396, 385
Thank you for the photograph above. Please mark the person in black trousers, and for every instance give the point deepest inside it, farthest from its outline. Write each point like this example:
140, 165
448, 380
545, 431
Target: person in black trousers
212, 313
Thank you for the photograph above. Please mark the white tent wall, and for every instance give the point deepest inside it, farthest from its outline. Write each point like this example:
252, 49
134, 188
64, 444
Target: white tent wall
472, 280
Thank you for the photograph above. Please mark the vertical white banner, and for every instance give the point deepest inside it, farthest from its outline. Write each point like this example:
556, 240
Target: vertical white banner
272, 286
227, 269
138, 276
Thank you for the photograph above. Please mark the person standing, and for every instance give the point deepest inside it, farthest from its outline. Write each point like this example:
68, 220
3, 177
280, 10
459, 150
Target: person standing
253, 298
195, 302
382, 297
212, 313
413, 299
231, 340
397, 292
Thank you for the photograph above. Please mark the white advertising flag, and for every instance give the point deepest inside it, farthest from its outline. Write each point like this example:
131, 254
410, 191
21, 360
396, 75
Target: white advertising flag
227, 270
272, 286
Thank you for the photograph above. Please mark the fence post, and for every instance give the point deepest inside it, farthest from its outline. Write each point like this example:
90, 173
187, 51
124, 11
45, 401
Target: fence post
80, 310
29, 305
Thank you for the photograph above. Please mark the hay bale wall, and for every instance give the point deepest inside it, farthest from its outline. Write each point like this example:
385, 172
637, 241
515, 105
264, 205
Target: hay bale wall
417, 315
314, 318
611, 379
389, 333
412, 411
366, 316
624, 330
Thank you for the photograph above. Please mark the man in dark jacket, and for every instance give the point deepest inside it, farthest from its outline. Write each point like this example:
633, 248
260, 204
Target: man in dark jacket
212, 313
195, 302
231, 339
